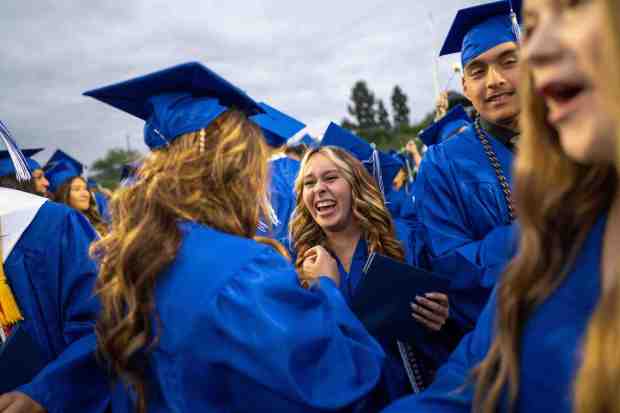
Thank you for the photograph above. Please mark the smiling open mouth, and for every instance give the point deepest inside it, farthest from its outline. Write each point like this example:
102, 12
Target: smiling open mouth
325, 206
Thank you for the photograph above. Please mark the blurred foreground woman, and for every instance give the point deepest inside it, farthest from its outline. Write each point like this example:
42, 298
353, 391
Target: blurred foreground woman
197, 315
528, 347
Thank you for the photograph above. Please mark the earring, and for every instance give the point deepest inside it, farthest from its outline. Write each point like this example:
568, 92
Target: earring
202, 141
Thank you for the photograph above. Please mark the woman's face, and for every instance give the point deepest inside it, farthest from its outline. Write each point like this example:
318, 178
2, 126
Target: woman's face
562, 45
326, 194
79, 196
40, 182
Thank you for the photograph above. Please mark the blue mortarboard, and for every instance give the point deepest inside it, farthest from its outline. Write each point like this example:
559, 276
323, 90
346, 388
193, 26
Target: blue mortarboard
445, 127
62, 157
306, 139
6, 164
277, 126
91, 183
381, 165
480, 28
174, 101
59, 173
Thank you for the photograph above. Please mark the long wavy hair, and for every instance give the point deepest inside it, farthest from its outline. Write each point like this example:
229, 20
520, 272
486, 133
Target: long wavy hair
369, 210
63, 195
216, 177
557, 202
598, 379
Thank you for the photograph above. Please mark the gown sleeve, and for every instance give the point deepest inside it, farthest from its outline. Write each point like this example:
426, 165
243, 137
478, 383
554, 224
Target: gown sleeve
73, 382
268, 342
452, 391
448, 232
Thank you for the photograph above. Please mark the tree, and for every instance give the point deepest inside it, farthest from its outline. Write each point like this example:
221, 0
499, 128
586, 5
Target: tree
383, 117
400, 109
107, 171
363, 106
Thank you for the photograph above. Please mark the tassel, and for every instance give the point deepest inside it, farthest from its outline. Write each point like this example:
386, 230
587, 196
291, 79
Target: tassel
22, 173
8, 305
516, 29
9, 310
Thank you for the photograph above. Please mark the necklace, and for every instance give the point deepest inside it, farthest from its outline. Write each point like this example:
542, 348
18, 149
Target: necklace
497, 167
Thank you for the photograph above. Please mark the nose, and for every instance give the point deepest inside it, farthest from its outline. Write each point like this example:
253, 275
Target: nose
541, 47
319, 187
45, 182
495, 79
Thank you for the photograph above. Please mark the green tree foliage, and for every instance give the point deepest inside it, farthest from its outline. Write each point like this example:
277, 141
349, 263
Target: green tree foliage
363, 106
400, 109
383, 117
380, 131
107, 170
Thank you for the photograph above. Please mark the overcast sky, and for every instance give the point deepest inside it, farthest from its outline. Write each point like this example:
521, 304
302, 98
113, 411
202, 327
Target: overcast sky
302, 57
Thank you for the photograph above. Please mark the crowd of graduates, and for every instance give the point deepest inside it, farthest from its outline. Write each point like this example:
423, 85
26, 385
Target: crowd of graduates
244, 265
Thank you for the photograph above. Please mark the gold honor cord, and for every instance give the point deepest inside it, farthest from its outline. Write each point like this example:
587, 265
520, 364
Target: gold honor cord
9, 310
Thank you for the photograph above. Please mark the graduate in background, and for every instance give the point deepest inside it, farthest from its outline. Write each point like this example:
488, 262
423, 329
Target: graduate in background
197, 315
341, 211
556, 307
7, 171
101, 197
277, 128
70, 188
48, 296
462, 192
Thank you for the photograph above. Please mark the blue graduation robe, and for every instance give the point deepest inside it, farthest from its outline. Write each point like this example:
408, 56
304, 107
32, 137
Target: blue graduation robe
463, 220
550, 346
102, 206
284, 171
239, 334
53, 279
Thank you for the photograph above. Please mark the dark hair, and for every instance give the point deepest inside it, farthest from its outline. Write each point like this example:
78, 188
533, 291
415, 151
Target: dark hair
11, 182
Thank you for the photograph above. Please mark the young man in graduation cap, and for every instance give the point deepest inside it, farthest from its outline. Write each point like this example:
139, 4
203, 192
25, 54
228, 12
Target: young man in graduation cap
462, 192
47, 307
7, 171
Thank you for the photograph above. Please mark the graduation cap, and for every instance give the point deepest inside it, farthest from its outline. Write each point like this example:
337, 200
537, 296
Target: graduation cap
6, 164
174, 101
445, 127
480, 28
382, 166
62, 157
277, 126
59, 173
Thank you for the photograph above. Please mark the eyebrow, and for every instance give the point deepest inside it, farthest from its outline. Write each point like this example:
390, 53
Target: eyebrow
309, 174
480, 63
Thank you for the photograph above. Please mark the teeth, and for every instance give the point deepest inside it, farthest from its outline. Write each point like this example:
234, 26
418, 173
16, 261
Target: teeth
324, 204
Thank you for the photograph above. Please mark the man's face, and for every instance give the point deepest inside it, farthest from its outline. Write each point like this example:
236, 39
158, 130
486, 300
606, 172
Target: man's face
490, 82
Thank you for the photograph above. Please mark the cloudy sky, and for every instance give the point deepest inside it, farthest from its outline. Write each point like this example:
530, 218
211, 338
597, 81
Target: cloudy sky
302, 57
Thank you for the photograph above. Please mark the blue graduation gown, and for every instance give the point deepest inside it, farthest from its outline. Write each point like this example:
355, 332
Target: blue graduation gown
550, 346
102, 206
395, 381
463, 220
239, 334
282, 188
53, 278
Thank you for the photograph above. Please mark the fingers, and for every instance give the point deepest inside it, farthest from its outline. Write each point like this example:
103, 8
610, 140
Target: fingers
440, 308
6, 400
428, 314
429, 324
438, 297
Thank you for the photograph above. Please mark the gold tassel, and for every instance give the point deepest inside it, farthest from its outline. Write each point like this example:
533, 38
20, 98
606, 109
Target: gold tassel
9, 310
8, 306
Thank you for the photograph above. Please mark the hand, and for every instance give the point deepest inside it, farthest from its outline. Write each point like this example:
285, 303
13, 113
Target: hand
318, 262
17, 402
432, 310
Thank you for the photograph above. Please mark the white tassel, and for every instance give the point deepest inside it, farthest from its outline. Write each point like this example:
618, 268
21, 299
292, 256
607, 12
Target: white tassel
516, 29
22, 173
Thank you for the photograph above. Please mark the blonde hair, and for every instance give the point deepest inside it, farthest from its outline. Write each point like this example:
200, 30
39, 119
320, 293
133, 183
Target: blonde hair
557, 201
367, 206
216, 177
598, 381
